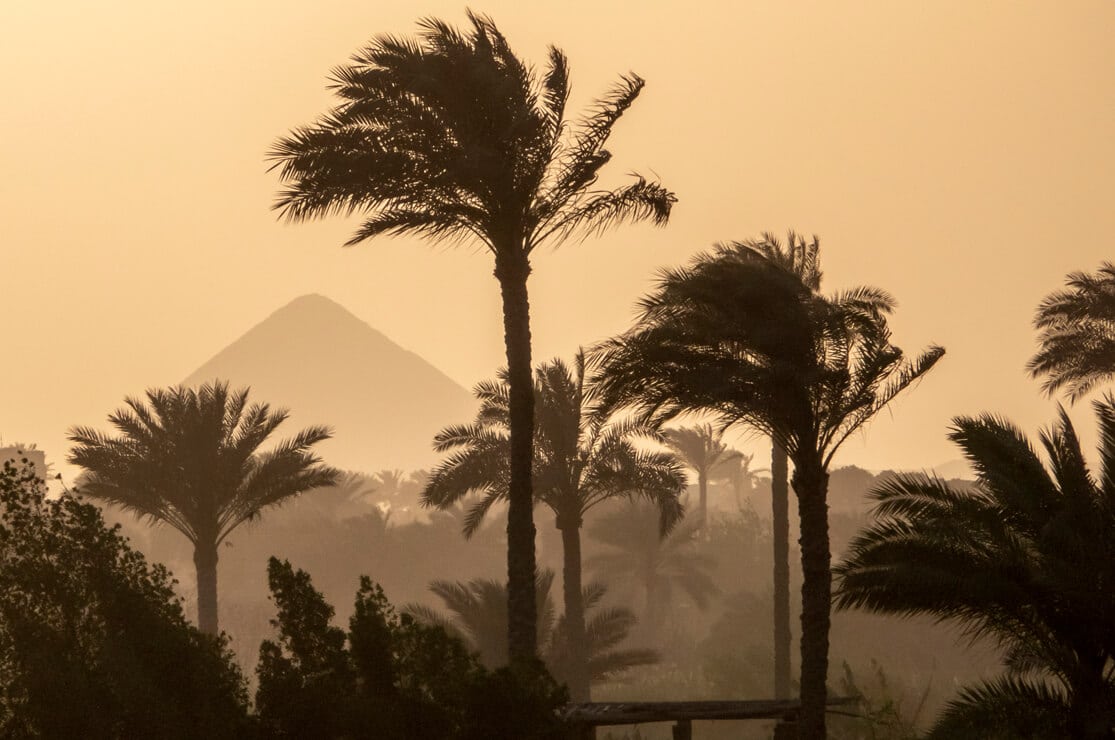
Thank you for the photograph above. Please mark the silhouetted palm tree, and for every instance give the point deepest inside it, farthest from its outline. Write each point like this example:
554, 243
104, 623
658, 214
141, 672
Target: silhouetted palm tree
737, 334
189, 458
1077, 334
452, 137
1026, 556
803, 259
581, 458
478, 616
348, 497
736, 471
700, 448
659, 566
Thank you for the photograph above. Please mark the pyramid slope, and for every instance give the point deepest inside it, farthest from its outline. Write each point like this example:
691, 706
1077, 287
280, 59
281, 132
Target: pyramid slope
315, 358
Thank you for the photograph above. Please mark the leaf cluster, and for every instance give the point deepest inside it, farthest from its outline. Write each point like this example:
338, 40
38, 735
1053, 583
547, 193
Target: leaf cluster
93, 640
389, 676
636, 553
582, 456
1076, 334
739, 334
190, 457
1025, 557
477, 615
451, 136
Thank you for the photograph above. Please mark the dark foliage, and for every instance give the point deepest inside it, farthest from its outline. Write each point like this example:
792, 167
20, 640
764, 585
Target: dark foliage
93, 640
478, 617
1026, 557
739, 334
1077, 334
389, 677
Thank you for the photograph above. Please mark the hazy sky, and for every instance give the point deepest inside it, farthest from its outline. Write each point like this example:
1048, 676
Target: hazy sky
960, 155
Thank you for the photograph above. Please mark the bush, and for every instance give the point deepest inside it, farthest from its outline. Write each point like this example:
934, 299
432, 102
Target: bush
93, 641
389, 677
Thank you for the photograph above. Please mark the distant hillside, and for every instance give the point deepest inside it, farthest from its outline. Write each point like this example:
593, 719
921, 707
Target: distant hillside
955, 469
312, 356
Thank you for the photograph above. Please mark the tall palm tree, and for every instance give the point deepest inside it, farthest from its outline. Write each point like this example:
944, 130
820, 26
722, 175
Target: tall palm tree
637, 554
478, 617
735, 333
189, 458
803, 259
1026, 556
701, 448
1077, 334
452, 137
581, 458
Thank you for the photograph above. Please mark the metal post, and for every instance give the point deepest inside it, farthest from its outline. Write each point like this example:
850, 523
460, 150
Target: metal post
786, 729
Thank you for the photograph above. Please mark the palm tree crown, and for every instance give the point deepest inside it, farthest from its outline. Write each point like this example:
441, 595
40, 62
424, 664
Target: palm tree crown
740, 335
701, 448
478, 617
1077, 334
452, 137
581, 457
189, 458
1026, 556
659, 567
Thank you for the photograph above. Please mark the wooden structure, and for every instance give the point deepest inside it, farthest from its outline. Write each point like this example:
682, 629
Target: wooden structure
581, 718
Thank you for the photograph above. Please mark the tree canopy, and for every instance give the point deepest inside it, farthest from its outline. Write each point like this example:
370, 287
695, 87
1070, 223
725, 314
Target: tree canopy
388, 677
1076, 334
1025, 557
93, 639
189, 457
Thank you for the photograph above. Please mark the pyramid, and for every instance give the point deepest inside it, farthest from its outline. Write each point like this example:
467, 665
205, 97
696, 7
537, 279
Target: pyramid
315, 358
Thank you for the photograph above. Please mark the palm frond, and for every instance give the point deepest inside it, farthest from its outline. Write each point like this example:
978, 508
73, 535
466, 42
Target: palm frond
189, 457
1076, 334
448, 136
1006, 708
640, 201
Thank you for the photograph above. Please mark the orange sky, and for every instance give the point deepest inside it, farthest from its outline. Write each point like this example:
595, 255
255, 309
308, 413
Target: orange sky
957, 154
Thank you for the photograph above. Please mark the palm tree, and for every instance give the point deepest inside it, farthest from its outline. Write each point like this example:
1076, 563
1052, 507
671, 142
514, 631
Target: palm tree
581, 458
736, 471
477, 614
637, 554
737, 334
478, 617
1077, 334
1025, 556
803, 259
452, 137
188, 458
347, 498
702, 449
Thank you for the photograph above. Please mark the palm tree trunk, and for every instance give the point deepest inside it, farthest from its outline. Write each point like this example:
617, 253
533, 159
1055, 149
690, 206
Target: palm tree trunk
579, 689
650, 611
810, 483
1089, 711
702, 490
512, 271
780, 525
205, 565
